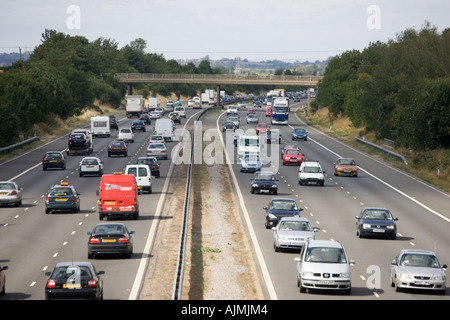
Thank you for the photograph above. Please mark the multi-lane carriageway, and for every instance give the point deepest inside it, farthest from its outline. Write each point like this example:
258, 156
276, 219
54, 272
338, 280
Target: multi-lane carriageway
31, 242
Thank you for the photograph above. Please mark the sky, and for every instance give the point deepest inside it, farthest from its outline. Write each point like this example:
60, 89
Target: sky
257, 30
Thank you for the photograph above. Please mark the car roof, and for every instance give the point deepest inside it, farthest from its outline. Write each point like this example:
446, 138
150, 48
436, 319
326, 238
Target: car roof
324, 243
73, 263
282, 199
417, 251
295, 218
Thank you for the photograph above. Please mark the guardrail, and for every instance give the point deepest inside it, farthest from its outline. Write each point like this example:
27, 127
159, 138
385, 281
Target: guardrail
384, 150
18, 145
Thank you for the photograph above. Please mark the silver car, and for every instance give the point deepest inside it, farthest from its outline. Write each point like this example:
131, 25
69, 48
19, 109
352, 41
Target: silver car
157, 150
323, 265
417, 269
91, 165
10, 193
292, 233
252, 118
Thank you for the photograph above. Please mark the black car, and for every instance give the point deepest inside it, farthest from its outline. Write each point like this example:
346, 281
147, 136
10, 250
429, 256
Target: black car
229, 125
110, 238
53, 159
264, 182
138, 125
278, 208
376, 222
113, 122
145, 118
153, 163
74, 280
117, 148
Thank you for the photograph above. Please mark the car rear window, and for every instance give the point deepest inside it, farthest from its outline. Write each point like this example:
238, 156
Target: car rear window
71, 272
7, 186
61, 192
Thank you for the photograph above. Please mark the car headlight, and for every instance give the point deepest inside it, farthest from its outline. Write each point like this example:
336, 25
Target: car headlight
405, 276
272, 216
366, 225
282, 238
390, 227
274, 186
307, 274
254, 185
344, 275
439, 277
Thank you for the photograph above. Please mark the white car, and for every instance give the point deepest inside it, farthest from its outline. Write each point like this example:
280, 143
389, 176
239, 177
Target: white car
191, 103
181, 111
143, 175
154, 115
157, 150
292, 233
156, 138
242, 104
232, 109
10, 192
91, 165
126, 134
323, 265
310, 172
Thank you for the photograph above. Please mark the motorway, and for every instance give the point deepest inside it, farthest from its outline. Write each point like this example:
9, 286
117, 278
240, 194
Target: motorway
32, 242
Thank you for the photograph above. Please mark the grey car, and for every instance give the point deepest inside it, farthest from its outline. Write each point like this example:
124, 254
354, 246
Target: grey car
252, 118
417, 269
323, 265
292, 233
10, 193
376, 222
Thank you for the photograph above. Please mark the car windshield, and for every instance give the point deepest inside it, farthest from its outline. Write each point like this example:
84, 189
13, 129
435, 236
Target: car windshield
61, 192
264, 176
147, 161
377, 215
325, 255
66, 272
251, 157
53, 156
295, 225
419, 260
250, 142
7, 186
116, 144
125, 130
283, 205
156, 146
109, 229
292, 152
350, 162
90, 162
311, 170
299, 130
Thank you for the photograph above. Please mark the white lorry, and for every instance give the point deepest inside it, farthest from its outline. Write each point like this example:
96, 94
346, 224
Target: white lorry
205, 97
134, 107
165, 127
152, 104
100, 126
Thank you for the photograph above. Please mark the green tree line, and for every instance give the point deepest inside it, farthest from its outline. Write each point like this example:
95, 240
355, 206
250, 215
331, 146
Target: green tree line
399, 89
67, 74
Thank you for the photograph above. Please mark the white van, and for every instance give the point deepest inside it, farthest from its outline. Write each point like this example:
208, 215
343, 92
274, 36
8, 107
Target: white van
181, 111
143, 175
100, 126
166, 128
247, 144
310, 172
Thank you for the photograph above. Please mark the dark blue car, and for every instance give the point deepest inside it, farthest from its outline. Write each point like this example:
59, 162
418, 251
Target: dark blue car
264, 182
299, 134
138, 125
278, 208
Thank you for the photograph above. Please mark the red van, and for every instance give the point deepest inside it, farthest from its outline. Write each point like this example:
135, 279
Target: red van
118, 196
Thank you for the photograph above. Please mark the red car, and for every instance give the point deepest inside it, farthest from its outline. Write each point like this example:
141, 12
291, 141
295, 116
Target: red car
292, 156
262, 127
268, 111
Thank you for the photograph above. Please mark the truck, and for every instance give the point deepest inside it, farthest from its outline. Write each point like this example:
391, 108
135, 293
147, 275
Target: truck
205, 97
80, 142
152, 104
280, 110
135, 105
100, 126
165, 127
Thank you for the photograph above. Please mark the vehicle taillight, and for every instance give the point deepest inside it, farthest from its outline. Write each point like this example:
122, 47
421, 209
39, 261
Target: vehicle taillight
46, 199
74, 199
123, 240
92, 283
51, 284
94, 240
14, 192
156, 167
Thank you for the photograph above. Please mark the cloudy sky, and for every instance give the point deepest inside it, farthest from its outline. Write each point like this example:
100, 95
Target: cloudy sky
289, 30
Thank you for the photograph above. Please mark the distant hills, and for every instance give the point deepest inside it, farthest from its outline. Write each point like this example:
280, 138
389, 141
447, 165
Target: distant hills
7, 59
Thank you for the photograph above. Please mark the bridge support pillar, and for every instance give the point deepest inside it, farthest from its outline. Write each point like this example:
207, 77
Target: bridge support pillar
218, 96
130, 89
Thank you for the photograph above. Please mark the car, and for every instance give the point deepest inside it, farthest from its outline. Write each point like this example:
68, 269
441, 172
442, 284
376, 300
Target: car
310, 172
299, 134
62, 197
169, 103
262, 128
212, 101
228, 125
83, 140
376, 222
168, 108
418, 270
251, 162
177, 103
126, 134
53, 159
156, 138
242, 104
191, 103
10, 193
235, 119
117, 147
145, 118
252, 118
181, 111
324, 265
232, 109
257, 104
292, 233
110, 238
138, 125
153, 163
345, 167
264, 182
91, 165
3, 280
74, 280
175, 117
292, 156
278, 208
113, 122
160, 110
157, 150
268, 112
154, 115
251, 111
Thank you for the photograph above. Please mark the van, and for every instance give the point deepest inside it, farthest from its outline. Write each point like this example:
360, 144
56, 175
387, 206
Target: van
247, 144
101, 126
118, 196
165, 127
181, 111
310, 172
143, 175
